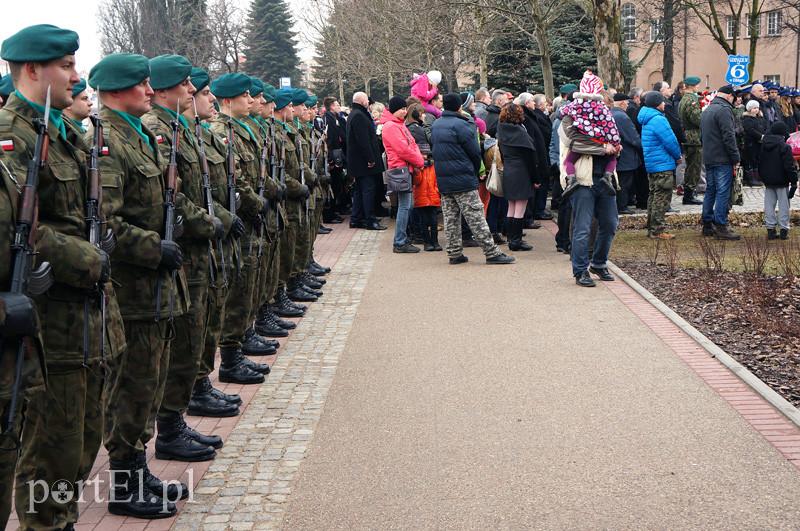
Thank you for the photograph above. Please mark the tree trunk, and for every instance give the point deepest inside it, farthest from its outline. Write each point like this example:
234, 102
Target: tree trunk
366, 85
608, 41
668, 59
483, 64
390, 83
755, 11
540, 29
340, 82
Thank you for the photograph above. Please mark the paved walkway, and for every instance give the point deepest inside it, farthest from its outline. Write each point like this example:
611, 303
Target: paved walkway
418, 395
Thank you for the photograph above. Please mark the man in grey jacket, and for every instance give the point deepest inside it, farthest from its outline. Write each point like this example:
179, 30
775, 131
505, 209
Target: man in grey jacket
721, 158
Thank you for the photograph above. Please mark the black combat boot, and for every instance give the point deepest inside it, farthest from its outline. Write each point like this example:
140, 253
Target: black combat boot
172, 490
689, 198
214, 441
297, 293
283, 323
233, 368
772, 234
204, 404
174, 444
266, 326
253, 346
314, 266
312, 281
261, 368
283, 305
130, 497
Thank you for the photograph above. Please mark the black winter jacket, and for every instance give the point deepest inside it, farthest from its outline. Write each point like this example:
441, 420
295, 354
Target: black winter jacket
492, 119
456, 154
718, 134
776, 166
363, 145
542, 157
754, 127
519, 161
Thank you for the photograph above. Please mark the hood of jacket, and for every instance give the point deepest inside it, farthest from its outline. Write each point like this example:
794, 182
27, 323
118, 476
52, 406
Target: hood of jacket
514, 135
772, 143
387, 117
647, 114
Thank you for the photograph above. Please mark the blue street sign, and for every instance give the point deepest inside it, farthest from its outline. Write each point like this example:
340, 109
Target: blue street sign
737, 69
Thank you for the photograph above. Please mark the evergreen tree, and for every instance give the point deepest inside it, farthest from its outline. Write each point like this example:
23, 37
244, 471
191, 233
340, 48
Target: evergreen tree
270, 47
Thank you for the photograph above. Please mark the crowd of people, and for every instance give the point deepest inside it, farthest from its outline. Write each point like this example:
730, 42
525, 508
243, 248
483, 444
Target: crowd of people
491, 160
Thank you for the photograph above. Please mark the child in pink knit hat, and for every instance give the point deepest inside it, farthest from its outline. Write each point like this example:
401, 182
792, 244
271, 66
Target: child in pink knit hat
425, 87
588, 122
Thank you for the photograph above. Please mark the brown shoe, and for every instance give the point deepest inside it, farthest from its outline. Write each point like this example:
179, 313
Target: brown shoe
661, 236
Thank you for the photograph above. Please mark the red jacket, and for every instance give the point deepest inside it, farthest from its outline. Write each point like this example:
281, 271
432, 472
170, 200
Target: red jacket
426, 191
401, 149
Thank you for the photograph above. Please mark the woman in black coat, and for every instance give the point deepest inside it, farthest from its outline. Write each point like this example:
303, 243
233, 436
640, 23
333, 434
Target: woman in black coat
755, 127
519, 171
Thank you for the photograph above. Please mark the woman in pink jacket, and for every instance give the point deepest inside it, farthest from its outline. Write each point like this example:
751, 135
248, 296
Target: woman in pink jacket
401, 150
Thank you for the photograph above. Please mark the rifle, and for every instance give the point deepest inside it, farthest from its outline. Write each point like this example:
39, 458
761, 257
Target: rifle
299, 149
171, 186
209, 201
230, 166
262, 182
275, 168
324, 142
25, 280
95, 222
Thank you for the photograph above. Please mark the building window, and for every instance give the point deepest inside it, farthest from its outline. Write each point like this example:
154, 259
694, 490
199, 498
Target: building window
755, 30
775, 78
730, 27
629, 22
657, 30
774, 23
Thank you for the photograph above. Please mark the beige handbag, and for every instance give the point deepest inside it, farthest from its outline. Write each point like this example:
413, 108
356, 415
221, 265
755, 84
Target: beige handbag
495, 181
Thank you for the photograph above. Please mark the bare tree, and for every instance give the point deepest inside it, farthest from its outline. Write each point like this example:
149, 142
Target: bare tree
119, 26
227, 36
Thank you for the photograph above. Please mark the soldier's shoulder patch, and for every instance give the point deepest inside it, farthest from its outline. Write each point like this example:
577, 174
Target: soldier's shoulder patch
7, 145
160, 139
104, 151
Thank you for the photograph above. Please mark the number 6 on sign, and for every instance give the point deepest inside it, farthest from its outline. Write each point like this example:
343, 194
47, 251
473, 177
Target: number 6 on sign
737, 69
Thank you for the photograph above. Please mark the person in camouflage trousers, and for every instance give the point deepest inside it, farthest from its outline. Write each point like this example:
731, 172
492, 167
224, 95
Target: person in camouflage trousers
318, 143
174, 93
658, 202
689, 113
63, 428
206, 400
31, 384
233, 93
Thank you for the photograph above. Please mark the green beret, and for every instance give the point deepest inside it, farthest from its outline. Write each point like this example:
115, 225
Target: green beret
569, 87
312, 101
283, 98
299, 97
256, 86
78, 87
6, 86
119, 71
692, 81
166, 71
269, 92
40, 43
200, 78
230, 85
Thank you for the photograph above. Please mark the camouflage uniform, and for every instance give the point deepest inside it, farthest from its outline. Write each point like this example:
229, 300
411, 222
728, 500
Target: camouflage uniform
302, 251
689, 112
273, 235
295, 202
468, 205
320, 191
658, 200
133, 187
189, 341
241, 286
33, 369
63, 428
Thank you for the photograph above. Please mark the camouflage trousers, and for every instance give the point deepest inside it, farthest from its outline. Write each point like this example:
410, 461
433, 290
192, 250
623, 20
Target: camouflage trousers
288, 243
186, 351
240, 299
9, 455
659, 200
468, 205
302, 249
317, 221
217, 297
136, 388
268, 274
694, 163
62, 435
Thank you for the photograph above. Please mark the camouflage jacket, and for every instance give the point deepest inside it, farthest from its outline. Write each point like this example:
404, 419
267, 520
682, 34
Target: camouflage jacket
198, 226
263, 131
133, 190
33, 368
689, 113
295, 196
61, 236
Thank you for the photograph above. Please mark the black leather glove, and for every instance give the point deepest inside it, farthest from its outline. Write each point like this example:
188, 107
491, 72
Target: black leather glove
237, 228
105, 270
265, 208
305, 191
219, 228
20, 315
792, 190
171, 255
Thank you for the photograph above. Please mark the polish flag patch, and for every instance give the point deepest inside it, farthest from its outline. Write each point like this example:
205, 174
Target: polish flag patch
7, 145
159, 139
104, 151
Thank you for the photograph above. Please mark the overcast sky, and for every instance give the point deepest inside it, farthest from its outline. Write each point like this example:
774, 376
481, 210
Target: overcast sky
19, 14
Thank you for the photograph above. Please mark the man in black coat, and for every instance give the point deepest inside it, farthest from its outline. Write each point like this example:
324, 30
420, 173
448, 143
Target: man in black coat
364, 163
499, 98
535, 128
337, 152
671, 111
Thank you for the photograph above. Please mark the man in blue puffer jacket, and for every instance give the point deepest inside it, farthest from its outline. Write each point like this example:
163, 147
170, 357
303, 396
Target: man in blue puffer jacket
662, 154
457, 161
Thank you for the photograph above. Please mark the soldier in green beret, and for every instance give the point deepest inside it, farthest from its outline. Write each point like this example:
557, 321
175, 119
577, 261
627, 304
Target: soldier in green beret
6, 88
296, 195
689, 113
206, 400
63, 425
233, 94
316, 144
173, 95
134, 189
80, 109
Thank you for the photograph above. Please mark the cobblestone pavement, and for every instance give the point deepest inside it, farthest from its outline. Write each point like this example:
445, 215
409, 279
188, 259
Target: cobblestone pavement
248, 485
753, 198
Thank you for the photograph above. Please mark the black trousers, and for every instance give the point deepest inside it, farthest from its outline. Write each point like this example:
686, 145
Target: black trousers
641, 186
364, 194
626, 181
